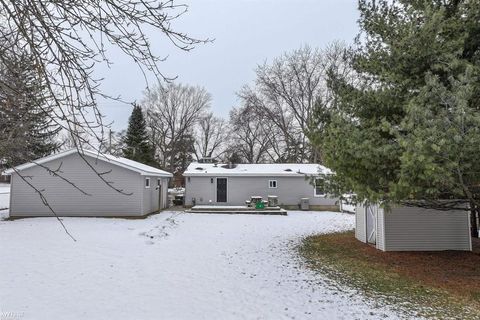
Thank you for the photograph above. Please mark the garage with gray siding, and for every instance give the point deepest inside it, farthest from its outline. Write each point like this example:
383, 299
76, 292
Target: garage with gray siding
289, 182
71, 183
403, 228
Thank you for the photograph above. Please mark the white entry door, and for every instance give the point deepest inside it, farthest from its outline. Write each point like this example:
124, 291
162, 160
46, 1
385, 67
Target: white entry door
371, 213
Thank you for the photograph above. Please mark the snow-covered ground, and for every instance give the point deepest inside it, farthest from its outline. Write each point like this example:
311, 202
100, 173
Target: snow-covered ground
4, 195
172, 266
175, 191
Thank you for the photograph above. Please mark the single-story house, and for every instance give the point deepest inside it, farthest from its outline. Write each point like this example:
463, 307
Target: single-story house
87, 184
405, 228
232, 185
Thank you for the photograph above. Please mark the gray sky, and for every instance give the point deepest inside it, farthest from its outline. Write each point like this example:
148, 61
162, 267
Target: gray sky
246, 33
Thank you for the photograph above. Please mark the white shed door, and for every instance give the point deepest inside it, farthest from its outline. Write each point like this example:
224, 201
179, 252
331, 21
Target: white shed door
371, 214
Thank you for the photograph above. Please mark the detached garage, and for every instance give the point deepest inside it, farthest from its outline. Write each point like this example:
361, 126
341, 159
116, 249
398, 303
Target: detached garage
87, 184
413, 229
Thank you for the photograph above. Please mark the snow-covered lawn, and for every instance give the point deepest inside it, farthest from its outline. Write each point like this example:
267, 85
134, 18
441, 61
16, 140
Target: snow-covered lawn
172, 266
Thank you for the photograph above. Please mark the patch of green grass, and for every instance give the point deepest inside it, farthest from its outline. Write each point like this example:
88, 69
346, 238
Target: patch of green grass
336, 257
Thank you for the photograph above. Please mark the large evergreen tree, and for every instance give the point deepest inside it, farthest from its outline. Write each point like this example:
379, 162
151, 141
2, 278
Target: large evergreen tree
27, 130
137, 145
408, 127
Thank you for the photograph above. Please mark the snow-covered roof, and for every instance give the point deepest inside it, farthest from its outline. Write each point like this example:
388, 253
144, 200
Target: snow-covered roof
264, 169
141, 168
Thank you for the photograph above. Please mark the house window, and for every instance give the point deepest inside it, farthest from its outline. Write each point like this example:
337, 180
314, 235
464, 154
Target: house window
147, 182
272, 184
159, 182
319, 190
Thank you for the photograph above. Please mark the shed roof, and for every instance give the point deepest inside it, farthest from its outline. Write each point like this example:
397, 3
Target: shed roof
263, 169
141, 168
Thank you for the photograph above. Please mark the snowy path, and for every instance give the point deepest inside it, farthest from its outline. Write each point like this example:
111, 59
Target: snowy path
190, 266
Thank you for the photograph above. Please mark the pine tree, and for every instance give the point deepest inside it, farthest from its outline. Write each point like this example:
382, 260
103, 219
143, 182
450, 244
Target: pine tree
137, 145
408, 127
27, 128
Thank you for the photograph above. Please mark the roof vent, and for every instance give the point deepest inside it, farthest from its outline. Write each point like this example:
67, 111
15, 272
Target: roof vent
289, 170
229, 166
198, 168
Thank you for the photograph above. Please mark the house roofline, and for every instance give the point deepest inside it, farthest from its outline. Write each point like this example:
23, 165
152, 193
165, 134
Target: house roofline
257, 174
90, 154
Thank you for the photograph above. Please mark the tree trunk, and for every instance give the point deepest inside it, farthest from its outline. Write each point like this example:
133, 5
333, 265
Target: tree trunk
473, 221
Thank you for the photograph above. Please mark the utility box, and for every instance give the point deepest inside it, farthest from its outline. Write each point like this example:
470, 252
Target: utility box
305, 204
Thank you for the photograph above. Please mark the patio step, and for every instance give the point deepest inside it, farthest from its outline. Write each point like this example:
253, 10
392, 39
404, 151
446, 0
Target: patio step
237, 210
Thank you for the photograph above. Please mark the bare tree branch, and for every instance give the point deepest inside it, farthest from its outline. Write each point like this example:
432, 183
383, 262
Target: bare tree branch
210, 137
288, 90
173, 111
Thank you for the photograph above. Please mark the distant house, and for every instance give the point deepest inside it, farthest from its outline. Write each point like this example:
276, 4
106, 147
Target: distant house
412, 228
72, 184
223, 184
4, 178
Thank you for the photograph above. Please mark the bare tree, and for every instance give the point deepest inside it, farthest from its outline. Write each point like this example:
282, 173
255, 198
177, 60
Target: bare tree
114, 143
173, 111
279, 123
249, 138
67, 39
288, 90
81, 139
211, 137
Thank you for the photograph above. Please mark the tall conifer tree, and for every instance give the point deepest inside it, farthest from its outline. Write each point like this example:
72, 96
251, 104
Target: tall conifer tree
27, 131
408, 127
137, 145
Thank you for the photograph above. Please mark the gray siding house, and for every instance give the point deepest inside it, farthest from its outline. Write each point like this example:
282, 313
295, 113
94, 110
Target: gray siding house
63, 175
413, 229
221, 184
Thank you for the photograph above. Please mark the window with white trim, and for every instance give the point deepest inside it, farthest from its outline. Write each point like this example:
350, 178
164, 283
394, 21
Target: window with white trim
147, 182
272, 184
319, 190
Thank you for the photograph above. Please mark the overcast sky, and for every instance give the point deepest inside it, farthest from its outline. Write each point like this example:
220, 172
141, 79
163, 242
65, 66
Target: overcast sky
246, 33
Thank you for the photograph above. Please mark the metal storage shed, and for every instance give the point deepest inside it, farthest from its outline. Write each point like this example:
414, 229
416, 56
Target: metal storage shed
412, 228
73, 188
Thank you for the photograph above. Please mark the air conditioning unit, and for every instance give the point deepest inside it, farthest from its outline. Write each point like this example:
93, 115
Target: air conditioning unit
305, 204
272, 201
